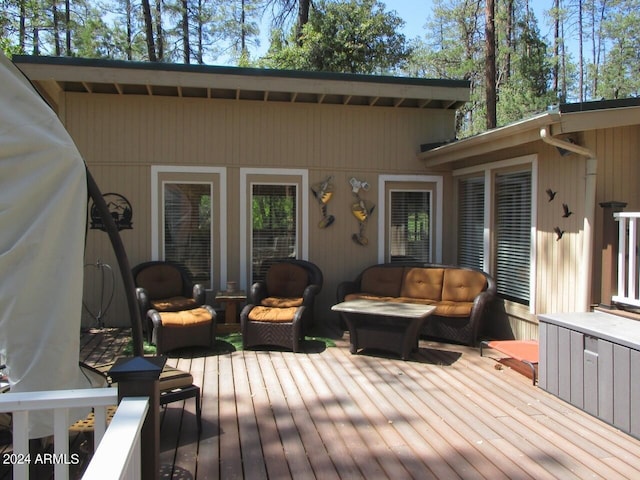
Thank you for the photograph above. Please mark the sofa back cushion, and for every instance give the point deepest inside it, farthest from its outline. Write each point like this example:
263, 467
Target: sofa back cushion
424, 283
286, 280
462, 285
160, 281
382, 281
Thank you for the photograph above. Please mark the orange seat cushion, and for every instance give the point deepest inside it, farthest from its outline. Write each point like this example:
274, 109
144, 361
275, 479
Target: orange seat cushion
281, 302
269, 314
447, 308
382, 281
462, 285
186, 318
173, 304
418, 301
368, 296
423, 283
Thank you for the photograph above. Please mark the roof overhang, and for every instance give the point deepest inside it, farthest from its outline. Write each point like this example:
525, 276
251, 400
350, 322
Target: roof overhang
54, 75
566, 119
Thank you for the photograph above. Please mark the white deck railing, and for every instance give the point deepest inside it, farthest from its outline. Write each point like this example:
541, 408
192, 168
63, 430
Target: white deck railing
628, 267
117, 452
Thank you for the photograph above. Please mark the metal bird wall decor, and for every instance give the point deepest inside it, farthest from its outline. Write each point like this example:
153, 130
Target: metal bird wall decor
567, 213
551, 194
559, 233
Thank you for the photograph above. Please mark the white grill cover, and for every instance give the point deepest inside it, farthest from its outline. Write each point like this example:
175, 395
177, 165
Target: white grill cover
43, 202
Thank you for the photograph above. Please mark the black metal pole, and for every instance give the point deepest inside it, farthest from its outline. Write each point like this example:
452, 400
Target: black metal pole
123, 264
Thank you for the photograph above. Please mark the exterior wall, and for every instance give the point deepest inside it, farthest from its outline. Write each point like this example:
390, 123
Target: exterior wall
558, 262
617, 150
558, 266
122, 137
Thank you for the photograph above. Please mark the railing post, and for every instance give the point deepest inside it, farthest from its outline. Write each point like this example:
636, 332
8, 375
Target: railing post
139, 377
609, 283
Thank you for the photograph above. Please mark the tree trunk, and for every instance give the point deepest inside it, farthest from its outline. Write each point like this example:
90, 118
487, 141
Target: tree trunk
243, 29
510, 41
581, 53
199, 54
148, 23
129, 46
185, 32
490, 64
556, 48
56, 28
67, 26
303, 17
159, 31
22, 29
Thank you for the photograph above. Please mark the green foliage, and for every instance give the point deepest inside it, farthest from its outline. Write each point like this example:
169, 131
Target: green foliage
526, 91
273, 212
620, 76
355, 36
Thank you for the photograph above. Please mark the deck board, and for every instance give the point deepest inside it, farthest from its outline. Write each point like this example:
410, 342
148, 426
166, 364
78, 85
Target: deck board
447, 413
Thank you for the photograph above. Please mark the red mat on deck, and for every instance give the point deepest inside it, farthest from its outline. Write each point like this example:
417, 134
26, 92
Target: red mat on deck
523, 350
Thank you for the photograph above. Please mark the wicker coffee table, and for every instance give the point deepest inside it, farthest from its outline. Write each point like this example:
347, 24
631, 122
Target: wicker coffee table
388, 326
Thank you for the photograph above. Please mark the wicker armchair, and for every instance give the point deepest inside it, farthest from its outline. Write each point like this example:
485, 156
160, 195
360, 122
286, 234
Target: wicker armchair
280, 308
173, 307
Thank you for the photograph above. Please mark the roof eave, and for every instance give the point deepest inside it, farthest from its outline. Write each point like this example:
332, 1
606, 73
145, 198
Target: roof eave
503, 137
117, 77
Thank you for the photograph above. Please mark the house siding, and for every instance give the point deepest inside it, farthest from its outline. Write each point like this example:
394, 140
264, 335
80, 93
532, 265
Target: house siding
122, 137
558, 263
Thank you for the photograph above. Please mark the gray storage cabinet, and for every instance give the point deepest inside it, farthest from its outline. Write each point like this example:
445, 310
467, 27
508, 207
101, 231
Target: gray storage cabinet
592, 361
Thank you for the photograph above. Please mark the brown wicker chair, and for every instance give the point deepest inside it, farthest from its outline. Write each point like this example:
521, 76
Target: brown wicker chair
173, 307
280, 308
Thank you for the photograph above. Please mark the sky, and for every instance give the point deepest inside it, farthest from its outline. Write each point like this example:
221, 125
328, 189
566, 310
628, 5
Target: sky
416, 12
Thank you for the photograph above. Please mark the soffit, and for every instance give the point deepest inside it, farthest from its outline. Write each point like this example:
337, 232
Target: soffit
53, 75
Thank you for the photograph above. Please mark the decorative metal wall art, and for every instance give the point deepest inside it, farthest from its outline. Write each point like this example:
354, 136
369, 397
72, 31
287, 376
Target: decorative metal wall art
566, 213
323, 191
361, 209
120, 210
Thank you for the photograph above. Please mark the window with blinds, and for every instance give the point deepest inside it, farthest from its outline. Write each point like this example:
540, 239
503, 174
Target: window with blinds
513, 235
187, 222
274, 221
410, 230
471, 222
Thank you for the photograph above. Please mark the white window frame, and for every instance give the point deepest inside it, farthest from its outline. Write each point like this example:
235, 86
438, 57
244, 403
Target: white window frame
272, 176
157, 232
489, 170
435, 221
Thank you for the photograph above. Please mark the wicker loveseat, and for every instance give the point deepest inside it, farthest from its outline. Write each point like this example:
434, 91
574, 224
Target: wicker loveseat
460, 295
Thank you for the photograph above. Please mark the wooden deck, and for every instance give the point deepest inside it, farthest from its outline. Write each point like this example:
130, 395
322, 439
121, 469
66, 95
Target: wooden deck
446, 414
327, 414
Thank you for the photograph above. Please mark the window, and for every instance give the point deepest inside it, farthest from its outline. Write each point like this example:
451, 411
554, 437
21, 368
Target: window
471, 222
410, 218
187, 231
410, 229
189, 220
513, 235
274, 216
273, 225
495, 220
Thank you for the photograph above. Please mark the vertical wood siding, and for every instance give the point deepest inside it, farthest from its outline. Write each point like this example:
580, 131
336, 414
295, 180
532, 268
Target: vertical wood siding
121, 137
